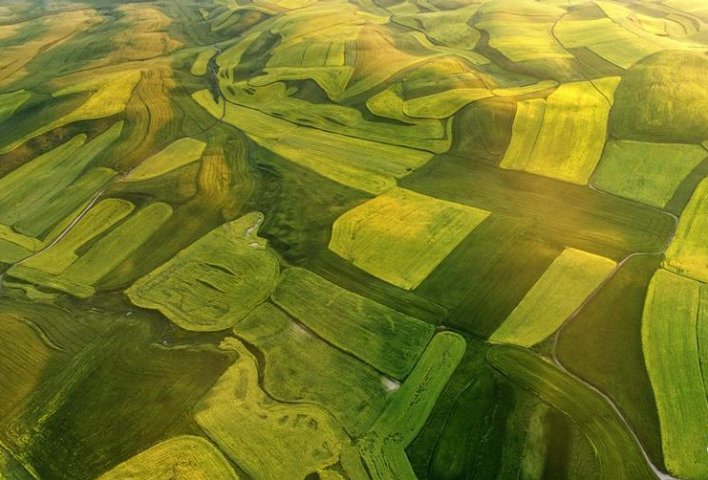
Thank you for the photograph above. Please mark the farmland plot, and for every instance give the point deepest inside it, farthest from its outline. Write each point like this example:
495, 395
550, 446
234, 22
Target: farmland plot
388, 236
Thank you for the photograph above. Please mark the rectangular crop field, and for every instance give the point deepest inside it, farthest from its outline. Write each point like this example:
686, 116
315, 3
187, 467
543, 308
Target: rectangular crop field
570, 279
647, 172
380, 336
568, 142
527, 124
401, 236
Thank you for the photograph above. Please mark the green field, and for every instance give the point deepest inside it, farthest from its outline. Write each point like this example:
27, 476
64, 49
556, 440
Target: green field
688, 254
301, 367
617, 450
576, 112
671, 337
603, 344
387, 340
353, 239
639, 114
647, 172
383, 448
215, 282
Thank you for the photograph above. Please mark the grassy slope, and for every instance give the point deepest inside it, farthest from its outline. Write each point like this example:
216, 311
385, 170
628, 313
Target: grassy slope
302, 367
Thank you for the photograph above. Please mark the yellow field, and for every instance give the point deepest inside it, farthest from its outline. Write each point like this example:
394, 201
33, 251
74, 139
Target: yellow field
241, 419
570, 279
688, 6
111, 94
576, 113
184, 456
199, 67
523, 40
401, 236
177, 154
688, 252
390, 104
527, 124
368, 166
671, 352
526, 89
607, 87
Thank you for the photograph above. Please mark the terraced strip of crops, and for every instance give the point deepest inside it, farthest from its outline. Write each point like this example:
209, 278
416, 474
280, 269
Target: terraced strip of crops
672, 332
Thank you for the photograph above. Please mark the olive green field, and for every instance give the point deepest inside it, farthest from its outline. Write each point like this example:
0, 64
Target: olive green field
354, 240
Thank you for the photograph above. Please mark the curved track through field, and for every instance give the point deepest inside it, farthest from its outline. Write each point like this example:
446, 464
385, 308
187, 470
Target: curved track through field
660, 474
